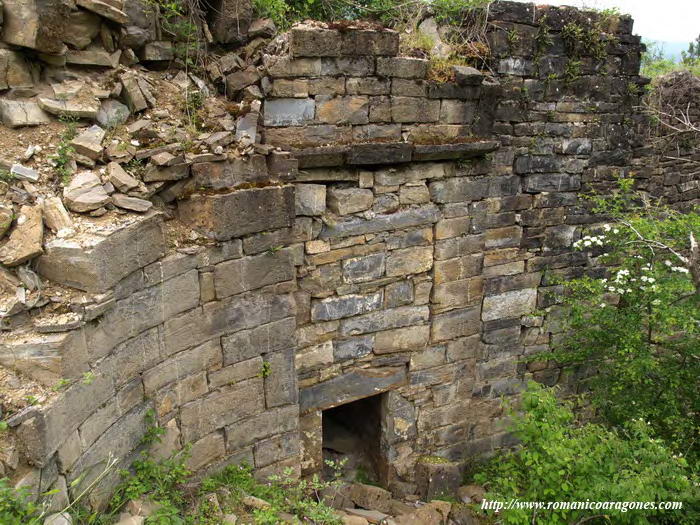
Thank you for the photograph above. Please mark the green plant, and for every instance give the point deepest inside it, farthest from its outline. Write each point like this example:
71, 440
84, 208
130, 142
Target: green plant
637, 325
7, 176
265, 369
572, 71
64, 151
561, 460
88, 378
154, 432
513, 39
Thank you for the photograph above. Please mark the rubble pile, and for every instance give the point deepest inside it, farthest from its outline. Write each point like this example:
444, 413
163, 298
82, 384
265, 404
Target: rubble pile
103, 119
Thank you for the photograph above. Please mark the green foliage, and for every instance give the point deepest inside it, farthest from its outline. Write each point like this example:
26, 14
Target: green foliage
64, 151
655, 63
572, 71
17, 507
154, 432
161, 480
692, 55
563, 461
265, 370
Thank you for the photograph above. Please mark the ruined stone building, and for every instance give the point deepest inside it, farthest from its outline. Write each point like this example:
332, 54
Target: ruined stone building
376, 259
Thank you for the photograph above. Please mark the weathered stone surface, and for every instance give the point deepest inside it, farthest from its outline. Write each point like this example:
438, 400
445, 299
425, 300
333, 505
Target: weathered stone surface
229, 174
85, 192
457, 323
277, 420
79, 108
249, 273
551, 182
288, 111
453, 151
370, 497
362, 269
89, 142
25, 241
120, 178
35, 24
55, 215
401, 339
436, 477
414, 109
230, 20
510, 304
345, 306
401, 219
350, 387
105, 9
132, 94
7, 215
131, 203
224, 216
112, 113
402, 67
15, 72
15, 113
383, 42
342, 110
467, 76
310, 199
306, 41
345, 201
97, 262
161, 51
409, 260
95, 57
384, 320
81, 28
377, 153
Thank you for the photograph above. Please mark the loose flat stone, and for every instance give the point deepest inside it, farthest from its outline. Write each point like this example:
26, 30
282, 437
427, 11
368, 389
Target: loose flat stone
74, 108
16, 113
104, 9
55, 215
94, 57
120, 178
454, 151
131, 203
112, 113
24, 173
25, 241
372, 516
89, 142
85, 193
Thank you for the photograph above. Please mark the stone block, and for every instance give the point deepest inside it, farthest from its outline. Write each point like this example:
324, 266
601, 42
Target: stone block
15, 71
348, 66
308, 136
351, 386
229, 174
374, 132
437, 477
367, 86
353, 347
277, 449
415, 193
16, 114
266, 339
402, 67
408, 261
310, 199
288, 111
290, 88
377, 153
249, 273
305, 41
412, 173
345, 306
507, 237
458, 268
457, 294
35, 24
345, 201
414, 109
510, 304
453, 151
383, 42
273, 421
235, 373
287, 67
370, 497
206, 451
25, 241
342, 109
457, 323
457, 112
384, 320
314, 357
228, 215
281, 383
363, 269
199, 359
326, 86
95, 262
551, 182
202, 416
408, 218
402, 339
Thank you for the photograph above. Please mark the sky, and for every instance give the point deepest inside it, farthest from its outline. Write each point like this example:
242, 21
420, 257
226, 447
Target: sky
671, 21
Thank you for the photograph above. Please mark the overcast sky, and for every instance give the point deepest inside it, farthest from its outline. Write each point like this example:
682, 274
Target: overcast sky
662, 20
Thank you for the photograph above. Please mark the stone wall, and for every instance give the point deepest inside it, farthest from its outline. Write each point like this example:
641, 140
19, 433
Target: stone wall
406, 247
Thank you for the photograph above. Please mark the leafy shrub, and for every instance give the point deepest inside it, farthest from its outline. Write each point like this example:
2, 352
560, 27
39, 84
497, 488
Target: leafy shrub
562, 461
638, 324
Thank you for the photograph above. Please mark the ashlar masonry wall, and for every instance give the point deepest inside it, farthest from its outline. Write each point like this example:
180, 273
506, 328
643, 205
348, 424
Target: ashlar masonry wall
403, 246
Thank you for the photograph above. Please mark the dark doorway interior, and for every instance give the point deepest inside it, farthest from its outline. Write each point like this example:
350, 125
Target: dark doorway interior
352, 432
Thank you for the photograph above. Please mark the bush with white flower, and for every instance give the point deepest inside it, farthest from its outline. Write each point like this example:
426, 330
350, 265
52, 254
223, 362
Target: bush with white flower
639, 325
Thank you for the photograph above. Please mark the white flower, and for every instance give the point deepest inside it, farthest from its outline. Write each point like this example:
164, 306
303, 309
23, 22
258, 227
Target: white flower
616, 230
656, 302
680, 269
602, 305
668, 263
606, 227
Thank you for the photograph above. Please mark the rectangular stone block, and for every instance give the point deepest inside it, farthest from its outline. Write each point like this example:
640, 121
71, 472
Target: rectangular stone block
458, 268
401, 339
458, 294
308, 136
277, 449
206, 451
551, 182
266, 339
249, 273
347, 66
457, 323
288, 67
273, 421
384, 320
345, 306
350, 387
288, 111
305, 41
402, 219
402, 67
367, 86
370, 42
96, 262
414, 109
409, 260
457, 112
281, 381
199, 359
342, 110
511, 304
377, 153
228, 215
221, 408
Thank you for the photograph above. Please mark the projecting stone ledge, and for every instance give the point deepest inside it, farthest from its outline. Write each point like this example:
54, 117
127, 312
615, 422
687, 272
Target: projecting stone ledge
350, 387
94, 261
223, 216
454, 151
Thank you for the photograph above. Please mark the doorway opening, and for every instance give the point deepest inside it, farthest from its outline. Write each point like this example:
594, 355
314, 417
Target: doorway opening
351, 434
